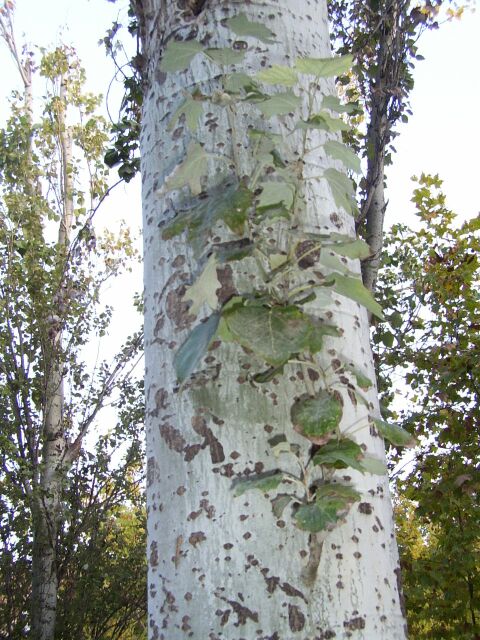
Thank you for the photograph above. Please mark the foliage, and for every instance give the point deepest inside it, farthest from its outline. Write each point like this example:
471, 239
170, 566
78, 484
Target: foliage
52, 269
430, 282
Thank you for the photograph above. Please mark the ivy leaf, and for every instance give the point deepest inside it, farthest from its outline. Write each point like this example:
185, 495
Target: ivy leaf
342, 189
280, 104
242, 26
278, 74
317, 418
362, 380
228, 202
225, 56
275, 193
235, 82
204, 288
279, 503
320, 330
194, 348
324, 67
332, 503
354, 289
190, 171
333, 103
272, 333
341, 152
263, 482
192, 109
354, 249
340, 455
323, 121
395, 434
373, 465
178, 55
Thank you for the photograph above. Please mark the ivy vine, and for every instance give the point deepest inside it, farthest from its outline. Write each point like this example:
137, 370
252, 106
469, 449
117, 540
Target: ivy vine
271, 319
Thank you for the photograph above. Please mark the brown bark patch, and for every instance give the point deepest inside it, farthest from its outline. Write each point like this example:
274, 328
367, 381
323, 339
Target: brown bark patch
291, 591
227, 288
173, 437
153, 554
243, 613
354, 623
296, 619
199, 425
366, 508
196, 538
177, 308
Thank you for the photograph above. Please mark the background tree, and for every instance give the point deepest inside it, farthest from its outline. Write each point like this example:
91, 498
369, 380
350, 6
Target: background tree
383, 37
242, 165
430, 281
52, 268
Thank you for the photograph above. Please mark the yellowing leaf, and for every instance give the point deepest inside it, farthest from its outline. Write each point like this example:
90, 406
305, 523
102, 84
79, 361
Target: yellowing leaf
190, 171
204, 288
324, 67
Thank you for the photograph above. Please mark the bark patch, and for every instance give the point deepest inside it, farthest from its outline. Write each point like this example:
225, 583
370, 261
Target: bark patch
243, 613
172, 437
196, 538
354, 623
199, 425
291, 591
296, 619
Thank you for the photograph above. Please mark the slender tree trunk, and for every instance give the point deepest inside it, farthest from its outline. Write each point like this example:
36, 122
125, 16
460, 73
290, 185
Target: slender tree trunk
224, 567
46, 510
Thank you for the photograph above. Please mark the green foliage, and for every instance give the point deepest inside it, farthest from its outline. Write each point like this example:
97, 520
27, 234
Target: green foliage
318, 418
52, 268
430, 284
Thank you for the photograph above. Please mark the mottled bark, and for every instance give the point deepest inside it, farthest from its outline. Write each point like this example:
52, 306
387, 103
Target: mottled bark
46, 508
224, 567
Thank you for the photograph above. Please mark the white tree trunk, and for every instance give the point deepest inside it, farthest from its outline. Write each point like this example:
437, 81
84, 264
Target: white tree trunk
225, 567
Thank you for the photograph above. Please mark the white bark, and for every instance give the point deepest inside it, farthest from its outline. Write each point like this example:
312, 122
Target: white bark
224, 567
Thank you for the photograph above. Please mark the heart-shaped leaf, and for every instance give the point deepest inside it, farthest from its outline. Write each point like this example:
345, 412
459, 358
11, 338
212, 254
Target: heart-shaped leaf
317, 418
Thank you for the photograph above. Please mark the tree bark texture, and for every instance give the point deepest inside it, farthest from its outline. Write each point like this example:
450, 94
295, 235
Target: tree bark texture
223, 567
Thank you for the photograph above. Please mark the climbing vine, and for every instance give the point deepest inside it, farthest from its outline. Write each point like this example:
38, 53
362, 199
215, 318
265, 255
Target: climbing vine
250, 217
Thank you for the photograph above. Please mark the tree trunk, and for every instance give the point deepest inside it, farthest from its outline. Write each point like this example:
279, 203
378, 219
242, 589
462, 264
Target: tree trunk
220, 566
46, 510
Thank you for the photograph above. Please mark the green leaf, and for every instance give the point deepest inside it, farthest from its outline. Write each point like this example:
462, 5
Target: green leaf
194, 348
373, 465
341, 152
235, 82
280, 104
395, 434
278, 74
178, 55
227, 202
272, 333
324, 67
323, 121
275, 193
242, 26
317, 418
354, 289
354, 249
225, 56
340, 454
362, 380
204, 288
342, 189
263, 482
334, 104
320, 330
332, 503
279, 503
190, 171
192, 109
